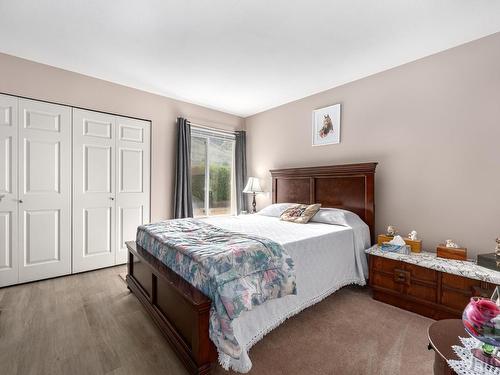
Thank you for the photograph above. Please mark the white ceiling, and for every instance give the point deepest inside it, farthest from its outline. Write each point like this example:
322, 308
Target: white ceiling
237, 56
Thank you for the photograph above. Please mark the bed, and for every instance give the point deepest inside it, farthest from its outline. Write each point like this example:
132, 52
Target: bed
327, 257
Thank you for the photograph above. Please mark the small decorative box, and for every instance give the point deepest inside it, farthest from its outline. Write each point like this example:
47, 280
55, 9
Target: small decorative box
458, 253
415, 245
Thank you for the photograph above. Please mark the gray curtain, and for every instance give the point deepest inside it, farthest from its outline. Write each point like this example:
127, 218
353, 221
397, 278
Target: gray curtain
241, 170
183, 200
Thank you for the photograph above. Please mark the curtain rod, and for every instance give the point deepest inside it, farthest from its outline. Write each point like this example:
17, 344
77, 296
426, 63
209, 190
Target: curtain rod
211, 128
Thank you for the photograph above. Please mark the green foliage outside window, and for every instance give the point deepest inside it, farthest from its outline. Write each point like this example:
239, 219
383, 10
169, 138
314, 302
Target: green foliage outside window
220, 184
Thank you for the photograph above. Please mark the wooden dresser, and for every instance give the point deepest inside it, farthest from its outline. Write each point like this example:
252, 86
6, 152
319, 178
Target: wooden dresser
432, 287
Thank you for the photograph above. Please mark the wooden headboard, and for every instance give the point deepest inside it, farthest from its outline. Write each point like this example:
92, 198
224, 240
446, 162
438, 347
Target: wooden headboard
349, 186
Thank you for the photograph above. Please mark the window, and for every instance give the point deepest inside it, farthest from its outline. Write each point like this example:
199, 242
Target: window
212, 172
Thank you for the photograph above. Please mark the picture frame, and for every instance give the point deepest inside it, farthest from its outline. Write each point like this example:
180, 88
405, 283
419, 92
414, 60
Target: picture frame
326, 125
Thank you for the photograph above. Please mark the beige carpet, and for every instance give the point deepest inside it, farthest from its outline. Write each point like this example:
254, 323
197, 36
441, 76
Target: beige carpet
347, 333
91, 324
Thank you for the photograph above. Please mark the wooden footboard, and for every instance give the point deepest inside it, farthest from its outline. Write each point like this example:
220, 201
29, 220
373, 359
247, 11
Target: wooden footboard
179, 310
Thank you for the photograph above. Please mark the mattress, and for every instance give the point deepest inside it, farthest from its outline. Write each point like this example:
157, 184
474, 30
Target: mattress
326, 257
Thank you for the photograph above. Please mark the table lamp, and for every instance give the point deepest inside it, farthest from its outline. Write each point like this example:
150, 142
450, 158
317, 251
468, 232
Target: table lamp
253, 187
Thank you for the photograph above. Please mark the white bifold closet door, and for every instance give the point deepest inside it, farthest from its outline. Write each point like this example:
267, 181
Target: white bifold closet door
44, 200
9, 273
132, 180
110, 186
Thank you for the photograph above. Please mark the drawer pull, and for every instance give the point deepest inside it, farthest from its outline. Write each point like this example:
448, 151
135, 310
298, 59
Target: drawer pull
401, 276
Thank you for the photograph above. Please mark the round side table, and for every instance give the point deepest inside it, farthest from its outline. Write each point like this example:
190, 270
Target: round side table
442, 335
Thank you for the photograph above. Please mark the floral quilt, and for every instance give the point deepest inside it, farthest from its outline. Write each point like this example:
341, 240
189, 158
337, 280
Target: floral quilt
236, 271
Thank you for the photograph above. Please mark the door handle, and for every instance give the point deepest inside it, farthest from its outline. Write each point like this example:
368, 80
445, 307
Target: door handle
112, 198
20, 201
2, 196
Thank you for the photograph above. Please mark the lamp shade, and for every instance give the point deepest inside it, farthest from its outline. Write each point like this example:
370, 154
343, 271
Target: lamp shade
252, 186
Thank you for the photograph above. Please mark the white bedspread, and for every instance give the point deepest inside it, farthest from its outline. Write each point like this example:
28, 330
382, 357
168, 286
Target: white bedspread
327, 257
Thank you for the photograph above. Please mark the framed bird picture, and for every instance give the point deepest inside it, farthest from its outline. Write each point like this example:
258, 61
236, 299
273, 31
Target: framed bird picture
326, 126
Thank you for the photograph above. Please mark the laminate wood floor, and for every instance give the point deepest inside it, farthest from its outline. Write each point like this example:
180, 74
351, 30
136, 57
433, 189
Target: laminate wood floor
81, 324
91, 324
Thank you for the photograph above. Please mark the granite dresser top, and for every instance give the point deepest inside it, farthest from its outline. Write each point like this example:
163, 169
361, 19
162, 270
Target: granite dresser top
429, 260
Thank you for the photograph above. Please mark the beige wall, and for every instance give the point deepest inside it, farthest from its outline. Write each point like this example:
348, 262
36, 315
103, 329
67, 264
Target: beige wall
434, 127
25, 78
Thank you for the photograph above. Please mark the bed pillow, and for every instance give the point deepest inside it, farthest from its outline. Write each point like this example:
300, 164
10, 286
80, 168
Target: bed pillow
300, 213
276, 209
335, 216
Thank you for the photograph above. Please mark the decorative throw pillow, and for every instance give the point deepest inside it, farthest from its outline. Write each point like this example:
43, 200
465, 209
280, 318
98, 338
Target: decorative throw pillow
300, 213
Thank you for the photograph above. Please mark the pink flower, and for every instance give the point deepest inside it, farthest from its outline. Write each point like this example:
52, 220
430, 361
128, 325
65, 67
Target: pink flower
269, 276
228, 304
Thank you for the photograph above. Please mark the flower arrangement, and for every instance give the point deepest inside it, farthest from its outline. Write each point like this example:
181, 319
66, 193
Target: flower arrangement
481, 319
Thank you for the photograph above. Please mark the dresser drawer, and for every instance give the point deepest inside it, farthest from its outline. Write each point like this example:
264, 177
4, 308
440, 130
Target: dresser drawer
455, 300
456, 291
385, 265
459, 282
421, 273
422, 292
386, 281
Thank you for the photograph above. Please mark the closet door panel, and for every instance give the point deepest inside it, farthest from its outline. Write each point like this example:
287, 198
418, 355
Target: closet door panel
98, 169
97, 236
94, 232
132, 200
41, 243
45, 190
131, 170
8, 191
129, 218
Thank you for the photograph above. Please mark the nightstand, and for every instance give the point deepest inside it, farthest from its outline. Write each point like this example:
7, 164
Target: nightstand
427, 285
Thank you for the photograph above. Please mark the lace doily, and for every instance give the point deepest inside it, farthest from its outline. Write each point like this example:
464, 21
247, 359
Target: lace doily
468, 365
